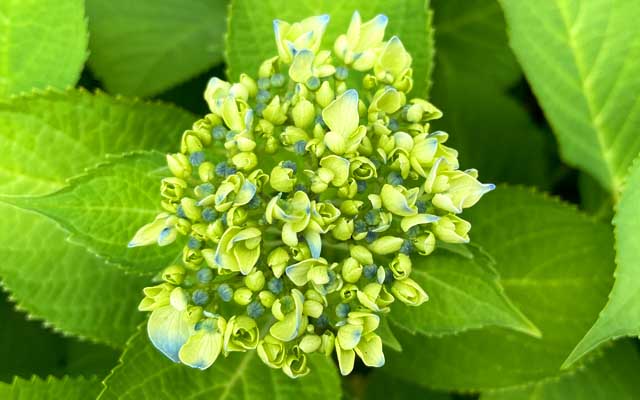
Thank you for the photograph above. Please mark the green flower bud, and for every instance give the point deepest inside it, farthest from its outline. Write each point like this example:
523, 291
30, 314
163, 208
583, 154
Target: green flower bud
295, 365
272, 351
241, 334
282, 179
266, 298
206, 171
351, 270
425, 244
179, 299
179, 165
303, 114
274, 112
191, 209
173, 188
362, 169
400, 266
351, 208
325, 94
409, 292
245, 161
343, 229
239, 249
255, 281
173, 274
242, 296
452, 229
386, 245
249, 84
312, 308
310, 343
277, 260
362, 254
155, 297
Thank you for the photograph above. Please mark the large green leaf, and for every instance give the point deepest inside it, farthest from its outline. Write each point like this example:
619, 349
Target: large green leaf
473, 69
144, 47
145, 374
621, 315
613, 376
53, 136
51, 389
555, 265
42, 43
250, 40
103, 209
381, 386
49, 138
25, 347
465, 293
62, 283
582, 58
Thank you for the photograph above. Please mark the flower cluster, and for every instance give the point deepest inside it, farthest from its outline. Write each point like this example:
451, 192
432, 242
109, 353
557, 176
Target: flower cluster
303, 204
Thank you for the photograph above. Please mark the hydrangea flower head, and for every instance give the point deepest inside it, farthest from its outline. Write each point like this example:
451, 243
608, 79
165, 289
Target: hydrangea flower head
304, 198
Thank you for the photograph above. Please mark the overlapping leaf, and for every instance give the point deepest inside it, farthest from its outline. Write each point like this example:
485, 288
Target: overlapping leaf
555, 265
621, 316
465, 293
144, 47
145, 374
51, 389
473, 70
104, 208
250, 38
582, 58
42, 43
612, 376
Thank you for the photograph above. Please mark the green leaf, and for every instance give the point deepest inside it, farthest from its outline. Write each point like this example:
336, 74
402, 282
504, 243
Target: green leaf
388, 337
250, 40
56, 135
42, 43
555, 264
381, 386
582, 59
474, 69
51, 389
103, 209
621, 315
90, 359
25, 347
144, 47
613, 376
62, 283
464, 294
144, 373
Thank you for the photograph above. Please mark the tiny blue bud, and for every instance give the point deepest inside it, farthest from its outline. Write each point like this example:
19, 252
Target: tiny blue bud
407, 247
394, 178
342, 73
300, 188
230, 135
322, 322
422, 206
205, 275
320, 121
371, 237
255, 310
275, 285
291, 165
413, 232
259, 109
254, 203
370, 271
342, 310
221, 169
194, 243
313, 83
300, 147
277, 80
404, 111
225, 292
388, 276
209, 214
264, 83
224, 218
263, 96
197, 158
393, 124
360, 226
180, 212
230, 171
371, 218
204, 189
200, 297
218, 132
362, 186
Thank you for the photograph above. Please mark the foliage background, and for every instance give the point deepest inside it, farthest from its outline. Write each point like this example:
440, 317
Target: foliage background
542, 99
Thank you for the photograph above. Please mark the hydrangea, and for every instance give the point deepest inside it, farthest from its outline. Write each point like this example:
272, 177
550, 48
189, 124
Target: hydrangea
304, 199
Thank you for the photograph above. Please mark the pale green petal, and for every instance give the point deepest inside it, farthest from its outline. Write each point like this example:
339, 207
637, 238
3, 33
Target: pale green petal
299, 273
396, 202
302, 67
370, 350
346, 359
202, 349
420, 219
341, 116
339, 166
349, 335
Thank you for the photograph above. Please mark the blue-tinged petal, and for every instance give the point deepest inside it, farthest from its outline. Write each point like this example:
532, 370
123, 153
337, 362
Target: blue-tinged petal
314, 240
246, 193
169, 330
298, 273
349, 336
202, 349
420, 219
302, 67
370, 350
